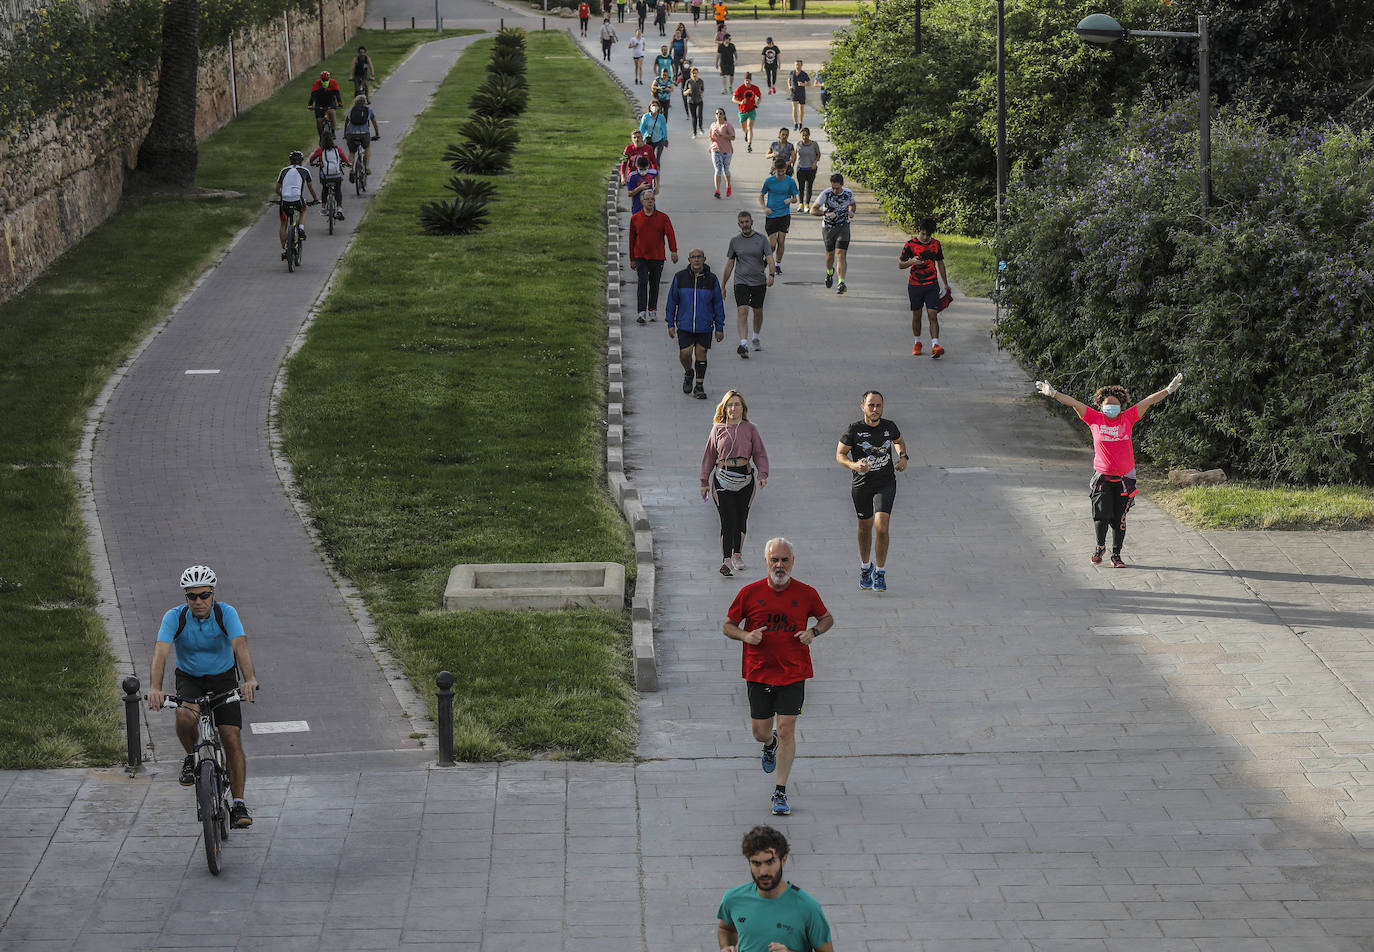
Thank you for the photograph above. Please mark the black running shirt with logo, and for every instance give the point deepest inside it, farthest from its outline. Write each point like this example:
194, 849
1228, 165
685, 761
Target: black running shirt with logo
873, 443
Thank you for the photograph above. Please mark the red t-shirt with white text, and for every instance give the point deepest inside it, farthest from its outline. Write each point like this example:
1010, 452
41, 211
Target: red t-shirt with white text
780, 658
1113, 452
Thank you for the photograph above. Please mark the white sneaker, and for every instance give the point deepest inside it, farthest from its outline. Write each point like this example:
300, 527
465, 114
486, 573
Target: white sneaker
737, 562
757, 345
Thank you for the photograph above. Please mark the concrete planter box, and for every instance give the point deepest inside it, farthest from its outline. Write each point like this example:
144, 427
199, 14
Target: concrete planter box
541, 586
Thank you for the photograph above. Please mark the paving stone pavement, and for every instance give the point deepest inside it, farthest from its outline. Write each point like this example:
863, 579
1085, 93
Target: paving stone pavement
1011, 750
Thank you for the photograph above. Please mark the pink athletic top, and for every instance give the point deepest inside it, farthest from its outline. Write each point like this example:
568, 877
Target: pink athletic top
1113, 453
732, 440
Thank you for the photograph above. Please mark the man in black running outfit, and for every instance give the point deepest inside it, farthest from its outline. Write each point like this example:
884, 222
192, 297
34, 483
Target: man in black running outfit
874, 451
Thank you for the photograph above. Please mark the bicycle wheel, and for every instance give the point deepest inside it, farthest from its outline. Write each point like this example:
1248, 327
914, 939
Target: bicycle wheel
291, 242
209, 806
329, 208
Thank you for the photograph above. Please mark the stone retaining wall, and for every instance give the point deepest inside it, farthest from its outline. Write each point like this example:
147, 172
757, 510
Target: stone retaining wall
66, 177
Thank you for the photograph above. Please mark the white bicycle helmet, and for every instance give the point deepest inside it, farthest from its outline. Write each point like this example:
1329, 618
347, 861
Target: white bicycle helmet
197, 575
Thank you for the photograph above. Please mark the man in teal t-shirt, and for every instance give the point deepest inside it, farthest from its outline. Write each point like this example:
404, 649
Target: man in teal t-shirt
770, 909
778, 195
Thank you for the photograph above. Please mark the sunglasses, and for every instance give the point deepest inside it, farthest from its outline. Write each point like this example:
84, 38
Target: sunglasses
197, 596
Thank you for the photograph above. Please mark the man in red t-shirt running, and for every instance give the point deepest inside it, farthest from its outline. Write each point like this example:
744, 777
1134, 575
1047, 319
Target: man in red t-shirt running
747, 100
771, 616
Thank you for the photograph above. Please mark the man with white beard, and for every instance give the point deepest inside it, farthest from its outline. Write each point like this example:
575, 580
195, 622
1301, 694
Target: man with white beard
772, 619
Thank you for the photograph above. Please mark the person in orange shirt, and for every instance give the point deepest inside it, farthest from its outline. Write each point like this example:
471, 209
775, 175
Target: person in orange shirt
720, 16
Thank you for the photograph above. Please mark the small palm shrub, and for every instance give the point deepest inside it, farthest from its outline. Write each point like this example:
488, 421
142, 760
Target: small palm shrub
501, 102
460, 217
477, 159
490, 132
512, 66
511, 38
482, 189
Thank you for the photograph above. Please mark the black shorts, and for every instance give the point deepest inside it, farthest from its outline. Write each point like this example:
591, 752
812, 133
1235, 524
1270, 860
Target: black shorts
765, 700
190, 686
799, 94
321, 111
780, 224
356, 141
750, 295
869, 498
836, 237
687, 339
298, 204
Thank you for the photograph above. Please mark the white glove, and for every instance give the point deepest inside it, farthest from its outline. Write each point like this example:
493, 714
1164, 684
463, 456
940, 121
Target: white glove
1175, 384
1044, 388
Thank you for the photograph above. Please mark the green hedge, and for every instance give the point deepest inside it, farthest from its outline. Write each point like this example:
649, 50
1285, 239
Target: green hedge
62, 59
1115, 277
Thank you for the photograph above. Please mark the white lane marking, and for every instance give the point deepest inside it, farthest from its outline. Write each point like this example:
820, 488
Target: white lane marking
192, 372
969, 469
279, 727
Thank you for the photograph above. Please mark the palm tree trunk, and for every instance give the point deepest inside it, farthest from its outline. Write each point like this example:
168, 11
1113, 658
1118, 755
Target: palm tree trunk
168, 153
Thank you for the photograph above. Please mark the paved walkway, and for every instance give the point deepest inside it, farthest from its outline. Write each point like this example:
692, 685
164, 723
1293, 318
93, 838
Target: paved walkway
1010, 750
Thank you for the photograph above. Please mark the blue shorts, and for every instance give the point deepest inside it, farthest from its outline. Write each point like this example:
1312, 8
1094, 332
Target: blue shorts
721, 160
924, 295
687, 339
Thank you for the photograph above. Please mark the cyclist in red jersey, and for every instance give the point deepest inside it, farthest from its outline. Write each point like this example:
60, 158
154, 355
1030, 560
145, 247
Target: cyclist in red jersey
771, 618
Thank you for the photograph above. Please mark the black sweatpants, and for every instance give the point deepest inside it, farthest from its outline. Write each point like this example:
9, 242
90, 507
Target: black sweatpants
734, 512
1112, 497
770, 75
650, 271
695, 110
806, 181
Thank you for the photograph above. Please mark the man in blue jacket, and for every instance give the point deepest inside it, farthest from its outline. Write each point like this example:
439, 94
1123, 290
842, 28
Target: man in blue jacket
696, 307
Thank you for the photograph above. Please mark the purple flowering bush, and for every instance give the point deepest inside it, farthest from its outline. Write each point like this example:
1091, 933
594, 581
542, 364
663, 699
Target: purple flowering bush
1115, 276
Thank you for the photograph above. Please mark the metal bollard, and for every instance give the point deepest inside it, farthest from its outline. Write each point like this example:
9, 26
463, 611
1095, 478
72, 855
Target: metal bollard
412, 23
756, 11
383, 23
132, 698
503, 23
444, 680
543, 23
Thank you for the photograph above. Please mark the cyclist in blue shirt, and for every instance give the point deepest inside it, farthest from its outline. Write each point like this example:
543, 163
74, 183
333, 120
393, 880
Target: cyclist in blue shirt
778, 195
210, 645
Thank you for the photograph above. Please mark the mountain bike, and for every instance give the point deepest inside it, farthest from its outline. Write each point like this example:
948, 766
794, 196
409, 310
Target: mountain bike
293, 241
213, 799
360, 170
331, 201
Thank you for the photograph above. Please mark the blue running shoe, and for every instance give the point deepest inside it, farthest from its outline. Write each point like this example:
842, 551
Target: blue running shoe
866, 578
879, 580
780, 807
770, 754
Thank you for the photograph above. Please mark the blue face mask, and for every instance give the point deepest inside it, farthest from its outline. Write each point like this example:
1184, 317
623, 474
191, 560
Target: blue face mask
1111, 410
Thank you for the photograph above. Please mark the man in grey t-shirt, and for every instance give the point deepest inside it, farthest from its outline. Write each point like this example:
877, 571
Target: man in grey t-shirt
750, 259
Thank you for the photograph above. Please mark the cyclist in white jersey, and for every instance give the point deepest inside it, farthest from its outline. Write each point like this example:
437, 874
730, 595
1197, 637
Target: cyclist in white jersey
290, 183
330, 160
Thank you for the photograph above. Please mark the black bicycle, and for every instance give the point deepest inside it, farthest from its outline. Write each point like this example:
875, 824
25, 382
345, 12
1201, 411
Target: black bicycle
360, 169
213, 798
293, 239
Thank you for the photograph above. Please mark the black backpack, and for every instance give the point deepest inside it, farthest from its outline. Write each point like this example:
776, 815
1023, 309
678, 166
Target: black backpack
357, 116
181, 620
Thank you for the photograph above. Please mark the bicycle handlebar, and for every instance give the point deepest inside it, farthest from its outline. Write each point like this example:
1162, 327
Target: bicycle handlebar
207, 703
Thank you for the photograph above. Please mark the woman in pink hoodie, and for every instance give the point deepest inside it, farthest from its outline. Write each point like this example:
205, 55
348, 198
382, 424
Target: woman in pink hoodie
733, 468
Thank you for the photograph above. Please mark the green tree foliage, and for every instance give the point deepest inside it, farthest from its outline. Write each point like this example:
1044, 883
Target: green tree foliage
1114, 277
1302, 60
921, 131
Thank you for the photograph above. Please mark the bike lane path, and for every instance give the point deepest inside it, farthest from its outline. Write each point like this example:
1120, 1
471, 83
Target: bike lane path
183, 473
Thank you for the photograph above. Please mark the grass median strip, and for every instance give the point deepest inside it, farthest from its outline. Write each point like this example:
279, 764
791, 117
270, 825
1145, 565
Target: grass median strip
448, 407
1242, 505
61, 339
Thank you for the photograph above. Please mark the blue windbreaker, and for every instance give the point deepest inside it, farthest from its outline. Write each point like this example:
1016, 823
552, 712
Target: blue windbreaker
695, 302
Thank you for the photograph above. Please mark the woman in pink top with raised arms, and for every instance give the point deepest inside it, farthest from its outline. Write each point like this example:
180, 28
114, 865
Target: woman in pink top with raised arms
733, 468
1112, 488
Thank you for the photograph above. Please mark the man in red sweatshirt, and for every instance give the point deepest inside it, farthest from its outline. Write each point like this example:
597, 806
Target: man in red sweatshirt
649, 229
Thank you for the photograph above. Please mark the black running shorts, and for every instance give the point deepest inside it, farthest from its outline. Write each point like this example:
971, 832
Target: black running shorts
869, 499
765, 700
750, 295
190, 686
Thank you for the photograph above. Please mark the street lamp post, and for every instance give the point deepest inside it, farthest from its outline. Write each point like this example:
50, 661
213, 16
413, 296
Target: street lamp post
1001, 110
1100, 28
